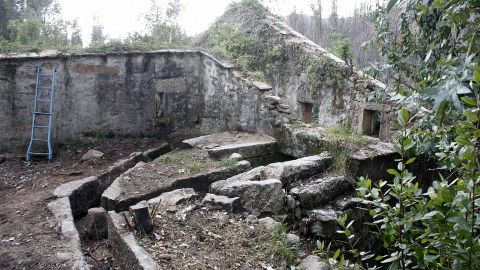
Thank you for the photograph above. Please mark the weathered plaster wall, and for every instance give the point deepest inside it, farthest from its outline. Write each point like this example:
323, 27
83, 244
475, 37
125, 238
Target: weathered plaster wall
177, 94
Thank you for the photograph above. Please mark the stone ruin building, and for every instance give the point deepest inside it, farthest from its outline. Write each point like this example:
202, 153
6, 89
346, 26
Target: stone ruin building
196, 102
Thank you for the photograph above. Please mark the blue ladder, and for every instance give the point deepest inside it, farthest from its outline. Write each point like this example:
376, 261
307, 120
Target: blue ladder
44, 96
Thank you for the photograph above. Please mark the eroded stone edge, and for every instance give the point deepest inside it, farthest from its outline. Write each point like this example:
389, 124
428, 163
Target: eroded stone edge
127, 249
65, 193
63, 213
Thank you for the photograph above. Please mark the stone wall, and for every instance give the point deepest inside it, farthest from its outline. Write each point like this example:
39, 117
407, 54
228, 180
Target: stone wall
313, 79
171, 93
316, 85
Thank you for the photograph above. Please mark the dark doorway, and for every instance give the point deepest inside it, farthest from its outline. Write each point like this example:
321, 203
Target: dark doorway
306, 111
371, 123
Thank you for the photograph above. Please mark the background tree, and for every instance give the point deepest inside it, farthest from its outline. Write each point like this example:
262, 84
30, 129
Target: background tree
97, 36
317, 21
76, 36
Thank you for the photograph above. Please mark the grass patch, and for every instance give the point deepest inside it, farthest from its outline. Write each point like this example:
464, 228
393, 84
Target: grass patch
278, 247
187, 162
339, 160
226, 161
342, 133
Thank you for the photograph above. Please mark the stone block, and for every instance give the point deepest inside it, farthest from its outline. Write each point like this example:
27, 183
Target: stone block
141, 216
173, 198
218, 202
97, 223
322, 191
301, 168
323, 222
258, 197
126, 248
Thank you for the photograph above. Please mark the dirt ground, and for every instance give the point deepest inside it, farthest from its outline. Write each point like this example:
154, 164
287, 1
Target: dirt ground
194, 237
28, 234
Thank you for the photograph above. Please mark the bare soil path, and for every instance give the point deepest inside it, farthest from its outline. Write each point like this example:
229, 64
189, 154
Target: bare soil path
29, 237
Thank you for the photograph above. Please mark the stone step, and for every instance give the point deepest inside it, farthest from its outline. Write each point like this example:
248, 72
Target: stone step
247, 150
321, 191
298, 169
133, 186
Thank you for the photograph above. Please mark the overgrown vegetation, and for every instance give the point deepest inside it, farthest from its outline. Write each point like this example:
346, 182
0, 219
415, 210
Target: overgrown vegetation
278, 246
342, 141
188, 162
436, 71
343, 134
227, 162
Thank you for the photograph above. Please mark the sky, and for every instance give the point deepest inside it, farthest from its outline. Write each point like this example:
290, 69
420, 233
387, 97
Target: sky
121, 17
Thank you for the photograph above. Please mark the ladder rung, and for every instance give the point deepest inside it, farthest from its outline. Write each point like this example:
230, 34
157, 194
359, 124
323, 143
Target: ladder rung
33, 153
45, 87
40, 140
41, 126
42, 113
44, 75
43, 100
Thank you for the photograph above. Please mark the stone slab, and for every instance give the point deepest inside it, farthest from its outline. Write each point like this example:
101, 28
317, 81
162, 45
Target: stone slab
247, 150
126, 248
73, 257
322, 191
222, 202
174, 197
114, 197
257, 197
291, 171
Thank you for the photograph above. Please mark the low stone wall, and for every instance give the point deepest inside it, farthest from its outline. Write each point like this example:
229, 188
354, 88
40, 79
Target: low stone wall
171, 93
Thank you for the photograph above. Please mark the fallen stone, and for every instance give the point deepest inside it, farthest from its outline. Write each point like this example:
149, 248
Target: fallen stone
313, 262
292, 239
173, 198
269, 223
321, 191
97, 223
222, 202
2, 159
290, 171
251, 175
258, 197
92, 154
236, 157
323, 222
141, 216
